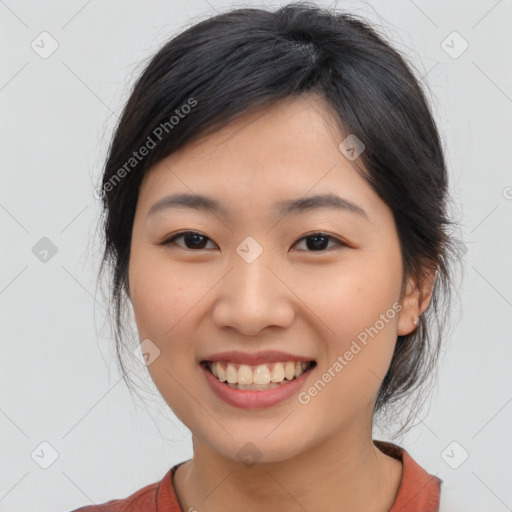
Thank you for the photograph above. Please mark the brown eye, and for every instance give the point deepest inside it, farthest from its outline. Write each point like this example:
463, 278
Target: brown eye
193, 240
317, 242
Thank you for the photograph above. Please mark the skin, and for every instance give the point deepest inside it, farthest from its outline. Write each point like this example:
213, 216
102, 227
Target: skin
194, 302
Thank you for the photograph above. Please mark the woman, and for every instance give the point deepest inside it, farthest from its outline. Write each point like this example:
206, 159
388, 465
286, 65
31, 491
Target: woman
275, 201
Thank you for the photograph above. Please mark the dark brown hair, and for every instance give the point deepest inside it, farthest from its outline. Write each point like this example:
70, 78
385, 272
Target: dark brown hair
224, 66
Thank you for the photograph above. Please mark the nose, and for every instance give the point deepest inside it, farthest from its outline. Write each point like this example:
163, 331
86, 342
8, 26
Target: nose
252, 297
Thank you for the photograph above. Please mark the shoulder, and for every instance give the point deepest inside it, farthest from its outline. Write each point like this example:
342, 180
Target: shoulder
144, 499
419, 490
155, 497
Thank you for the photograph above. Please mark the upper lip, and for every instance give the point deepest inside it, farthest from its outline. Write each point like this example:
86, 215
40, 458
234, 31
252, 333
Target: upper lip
269, 356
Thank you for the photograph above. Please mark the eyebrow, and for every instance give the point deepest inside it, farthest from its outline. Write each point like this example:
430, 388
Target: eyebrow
290, 206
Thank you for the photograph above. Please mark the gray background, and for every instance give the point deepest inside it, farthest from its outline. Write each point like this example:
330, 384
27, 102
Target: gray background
59, 380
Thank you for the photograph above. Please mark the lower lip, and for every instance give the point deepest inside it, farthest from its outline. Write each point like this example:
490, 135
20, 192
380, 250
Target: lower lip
254, 399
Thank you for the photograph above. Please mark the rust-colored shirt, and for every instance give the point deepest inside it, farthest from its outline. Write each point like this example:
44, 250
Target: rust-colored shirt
419, 491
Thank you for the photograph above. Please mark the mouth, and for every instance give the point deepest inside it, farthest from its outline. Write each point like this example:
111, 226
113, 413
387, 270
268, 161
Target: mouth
259, 377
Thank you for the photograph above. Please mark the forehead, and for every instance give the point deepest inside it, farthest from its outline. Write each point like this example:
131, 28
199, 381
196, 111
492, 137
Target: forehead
273, 154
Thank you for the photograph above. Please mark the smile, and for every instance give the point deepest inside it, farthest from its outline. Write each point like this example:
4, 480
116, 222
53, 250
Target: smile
261, 376
286, 383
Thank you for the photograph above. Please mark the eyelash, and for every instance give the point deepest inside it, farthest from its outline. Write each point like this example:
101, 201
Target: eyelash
171, 240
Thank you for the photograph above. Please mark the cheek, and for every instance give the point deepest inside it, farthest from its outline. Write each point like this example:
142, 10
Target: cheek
162, 295
351, 296
359, 312
163, 302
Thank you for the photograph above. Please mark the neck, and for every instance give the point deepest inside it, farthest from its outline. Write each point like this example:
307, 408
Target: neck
347, 474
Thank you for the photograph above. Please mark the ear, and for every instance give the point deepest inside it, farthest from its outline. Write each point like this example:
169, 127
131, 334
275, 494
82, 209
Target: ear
412, 309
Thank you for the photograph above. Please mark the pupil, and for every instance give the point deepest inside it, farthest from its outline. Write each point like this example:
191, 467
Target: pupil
316, 245
314, 242
197, 242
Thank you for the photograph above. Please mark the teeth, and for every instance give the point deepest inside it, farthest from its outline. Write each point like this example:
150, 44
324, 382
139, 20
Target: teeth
277, 373
260, 374
245, 375
231, 374
289, 370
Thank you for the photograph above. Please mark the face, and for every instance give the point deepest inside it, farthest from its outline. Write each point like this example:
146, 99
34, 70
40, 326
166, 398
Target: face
321, 282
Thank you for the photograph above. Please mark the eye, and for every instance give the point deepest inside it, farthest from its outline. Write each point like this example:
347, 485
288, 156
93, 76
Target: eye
193, 240
319, 241
316, 242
